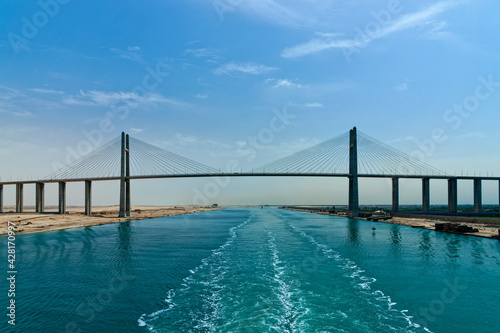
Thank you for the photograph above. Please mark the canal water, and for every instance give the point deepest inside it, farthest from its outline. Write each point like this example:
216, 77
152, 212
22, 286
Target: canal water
253, 270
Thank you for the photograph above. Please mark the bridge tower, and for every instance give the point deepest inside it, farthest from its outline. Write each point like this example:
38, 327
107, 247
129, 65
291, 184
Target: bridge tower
353, 174
125, 208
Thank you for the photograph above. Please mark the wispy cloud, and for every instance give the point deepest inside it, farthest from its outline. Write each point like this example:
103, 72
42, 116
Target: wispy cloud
405, 22
100, 98
7, 93
17, 113
46, 91
297, 13
284, 83
20, 103
472, 135
329, 34
132, 53
401, 86
313, 105
243, 68
437, 30
136, 130
109, 98
273, 11
308, 105
203, 53
59, 75
9, 102
317, 45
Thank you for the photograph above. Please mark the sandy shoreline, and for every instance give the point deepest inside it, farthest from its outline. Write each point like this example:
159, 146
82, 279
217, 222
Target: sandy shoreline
30, 222
486, 230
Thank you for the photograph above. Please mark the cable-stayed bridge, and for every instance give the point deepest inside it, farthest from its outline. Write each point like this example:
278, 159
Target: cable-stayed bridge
351, 155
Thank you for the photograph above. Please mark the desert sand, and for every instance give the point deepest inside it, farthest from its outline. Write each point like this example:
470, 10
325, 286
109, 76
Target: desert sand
30, 222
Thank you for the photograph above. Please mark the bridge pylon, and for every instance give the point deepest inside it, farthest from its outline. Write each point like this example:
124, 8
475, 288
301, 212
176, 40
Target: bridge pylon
125, 208
353, 210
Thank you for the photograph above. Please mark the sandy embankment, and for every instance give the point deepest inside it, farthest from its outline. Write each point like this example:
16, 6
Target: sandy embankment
486, 228
31, 222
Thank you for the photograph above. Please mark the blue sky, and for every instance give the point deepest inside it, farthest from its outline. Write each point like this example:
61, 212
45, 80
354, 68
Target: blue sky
200, 78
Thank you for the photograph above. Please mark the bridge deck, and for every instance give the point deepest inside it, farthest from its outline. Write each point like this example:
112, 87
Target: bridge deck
250, 174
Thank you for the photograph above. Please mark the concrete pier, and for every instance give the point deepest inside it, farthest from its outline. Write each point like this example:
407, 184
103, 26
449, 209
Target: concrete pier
426, 197
353, 174
88, 197
1, 198
477, 196
19, 198
395, 195
39, 197
452, 195
62, 198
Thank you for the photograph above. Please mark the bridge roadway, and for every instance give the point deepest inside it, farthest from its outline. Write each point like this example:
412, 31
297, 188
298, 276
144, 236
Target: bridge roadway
250, 174
452, 187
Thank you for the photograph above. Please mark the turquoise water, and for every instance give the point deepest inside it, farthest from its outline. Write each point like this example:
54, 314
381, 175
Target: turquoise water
254, 270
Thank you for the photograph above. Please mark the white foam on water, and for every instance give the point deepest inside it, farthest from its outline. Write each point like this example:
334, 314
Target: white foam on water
287, 294
363, 282
293, 307
141, 322
213, 301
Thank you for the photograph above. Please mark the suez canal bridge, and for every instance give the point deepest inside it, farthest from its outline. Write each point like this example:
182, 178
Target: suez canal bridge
351, 155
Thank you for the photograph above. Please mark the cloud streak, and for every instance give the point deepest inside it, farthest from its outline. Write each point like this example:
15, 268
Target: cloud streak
18, 113
243, 68
46, 91
132, 53
109, 98
284, 83
405, 22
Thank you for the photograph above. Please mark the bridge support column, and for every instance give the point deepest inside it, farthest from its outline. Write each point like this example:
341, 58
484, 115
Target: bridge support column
123, 193
477, 195
62, 198
1, 198
395, 195
19, 198
88, 197
128, 208
426, 200
353, 174
452, 195
39, 197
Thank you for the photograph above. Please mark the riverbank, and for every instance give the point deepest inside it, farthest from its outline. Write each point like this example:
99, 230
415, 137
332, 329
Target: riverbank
487, 229
30, 222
